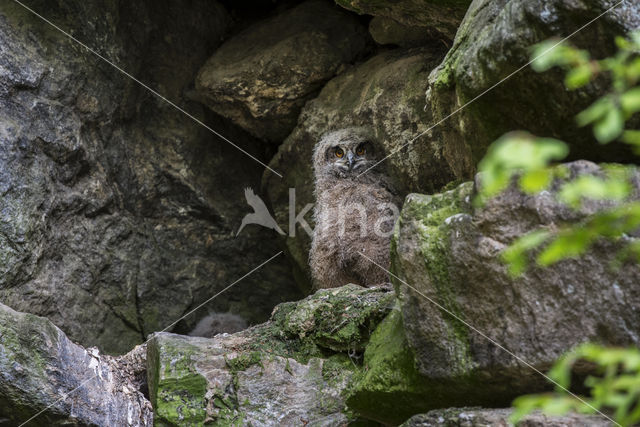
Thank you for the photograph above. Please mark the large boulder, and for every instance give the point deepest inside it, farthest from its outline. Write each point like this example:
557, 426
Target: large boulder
293, 369
442, 15
48, 380
493, 42
261, 77
479, 417
446, 252
384, 94
118, 213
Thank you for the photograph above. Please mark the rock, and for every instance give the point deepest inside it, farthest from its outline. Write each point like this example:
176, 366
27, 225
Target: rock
383, 93
386, 31
261, 78
118, 213
389, 376
493, 42
445, 250
478, 417
293, 369
42, 370
444, 16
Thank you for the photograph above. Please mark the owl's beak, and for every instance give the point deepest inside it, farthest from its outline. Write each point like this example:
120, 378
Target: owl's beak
350, 159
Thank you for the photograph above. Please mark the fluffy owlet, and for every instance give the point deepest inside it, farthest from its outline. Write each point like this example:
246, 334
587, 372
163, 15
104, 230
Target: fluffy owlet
354, 212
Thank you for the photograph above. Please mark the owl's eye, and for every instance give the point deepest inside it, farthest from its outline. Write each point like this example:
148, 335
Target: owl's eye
360, 151
339, 152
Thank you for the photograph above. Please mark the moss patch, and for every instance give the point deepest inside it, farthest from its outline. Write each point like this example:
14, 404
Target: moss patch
389, 389
177, 389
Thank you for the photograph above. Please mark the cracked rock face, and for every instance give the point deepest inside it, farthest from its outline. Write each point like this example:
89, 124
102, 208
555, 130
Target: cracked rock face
261, 78
42, 370
450, 252
118, 214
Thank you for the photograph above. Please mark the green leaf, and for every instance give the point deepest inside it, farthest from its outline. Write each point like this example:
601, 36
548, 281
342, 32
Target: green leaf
631, 137
516, 255
609, 127
548, 54
595, 111
630, 101
592, 187
516, 152
535, 180
571, 243
578, 77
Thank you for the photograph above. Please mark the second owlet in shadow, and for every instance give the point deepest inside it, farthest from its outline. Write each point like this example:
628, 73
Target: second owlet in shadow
355, 211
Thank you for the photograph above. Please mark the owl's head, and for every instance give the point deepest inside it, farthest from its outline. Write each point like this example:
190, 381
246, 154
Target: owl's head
345, 152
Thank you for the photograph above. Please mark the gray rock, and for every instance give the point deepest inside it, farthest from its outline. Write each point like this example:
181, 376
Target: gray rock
494, 41
291, 370
479, 417
383, 93
387, 31
449, 252
42, 370
442, 15
261, 78
118, 213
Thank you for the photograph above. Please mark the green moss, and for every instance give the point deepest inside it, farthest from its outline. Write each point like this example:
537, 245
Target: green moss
430, 214
389, 377
244, 361
333, 320
337, 368
177, 389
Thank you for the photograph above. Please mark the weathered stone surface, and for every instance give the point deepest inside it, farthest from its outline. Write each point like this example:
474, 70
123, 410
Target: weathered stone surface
449, 252
493, 42
285, 372
442, 15
261, 78
387, 31
118, 213
477, 417
383, 93
42, 370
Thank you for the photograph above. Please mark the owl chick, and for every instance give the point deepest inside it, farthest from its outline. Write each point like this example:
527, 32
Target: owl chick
354, 212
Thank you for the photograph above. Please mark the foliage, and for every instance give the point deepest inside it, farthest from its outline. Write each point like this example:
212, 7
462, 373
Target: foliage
616, 386
529, 159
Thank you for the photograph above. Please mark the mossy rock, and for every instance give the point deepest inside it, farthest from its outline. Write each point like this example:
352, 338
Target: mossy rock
177, 389
389, 376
